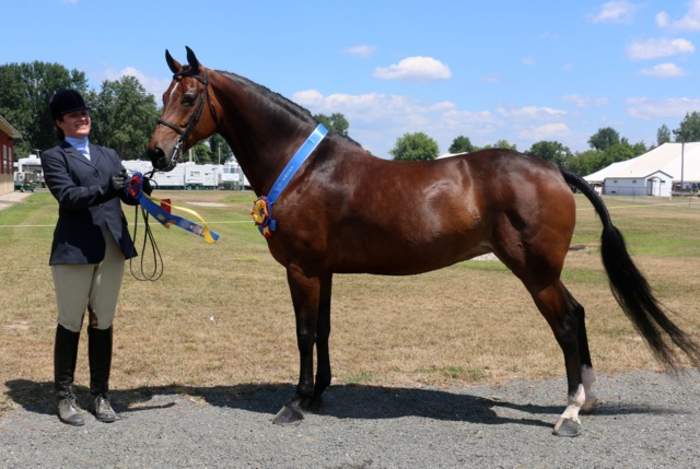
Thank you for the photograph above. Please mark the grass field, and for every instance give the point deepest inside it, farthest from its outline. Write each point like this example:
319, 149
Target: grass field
221, 314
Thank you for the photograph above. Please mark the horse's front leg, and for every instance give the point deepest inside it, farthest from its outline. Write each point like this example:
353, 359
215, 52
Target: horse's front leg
305, 298
323, 332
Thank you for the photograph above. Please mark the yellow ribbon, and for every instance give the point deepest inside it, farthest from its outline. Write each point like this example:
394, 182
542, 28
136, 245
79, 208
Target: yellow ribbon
167, 219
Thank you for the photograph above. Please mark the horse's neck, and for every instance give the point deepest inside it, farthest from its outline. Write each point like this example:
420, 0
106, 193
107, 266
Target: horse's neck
262, 142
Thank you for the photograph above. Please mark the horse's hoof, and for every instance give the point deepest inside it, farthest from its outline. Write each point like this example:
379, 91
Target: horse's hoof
288, 415
589, 405
567, 427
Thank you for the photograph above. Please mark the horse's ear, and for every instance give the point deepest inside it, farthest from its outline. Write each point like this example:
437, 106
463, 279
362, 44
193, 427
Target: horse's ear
174, 65
192, 60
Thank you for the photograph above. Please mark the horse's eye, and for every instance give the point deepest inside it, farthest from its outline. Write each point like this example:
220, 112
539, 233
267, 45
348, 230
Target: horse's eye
188, 99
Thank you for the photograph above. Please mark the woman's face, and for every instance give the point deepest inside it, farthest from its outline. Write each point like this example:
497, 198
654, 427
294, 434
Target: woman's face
75, 124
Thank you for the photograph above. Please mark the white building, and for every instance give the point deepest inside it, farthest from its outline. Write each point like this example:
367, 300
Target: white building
658, 172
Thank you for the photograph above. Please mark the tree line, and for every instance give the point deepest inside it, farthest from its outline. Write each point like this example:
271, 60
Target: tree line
124, 116
606, 146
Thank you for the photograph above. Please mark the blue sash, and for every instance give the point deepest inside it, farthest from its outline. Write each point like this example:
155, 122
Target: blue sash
262, 208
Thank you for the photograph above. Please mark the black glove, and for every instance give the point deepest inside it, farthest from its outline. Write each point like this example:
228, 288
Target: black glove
119, 181
146, 186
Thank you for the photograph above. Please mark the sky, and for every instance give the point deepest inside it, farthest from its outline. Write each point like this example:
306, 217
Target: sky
498, 70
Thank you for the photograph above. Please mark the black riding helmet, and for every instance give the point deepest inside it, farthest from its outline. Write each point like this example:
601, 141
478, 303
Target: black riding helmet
64, 101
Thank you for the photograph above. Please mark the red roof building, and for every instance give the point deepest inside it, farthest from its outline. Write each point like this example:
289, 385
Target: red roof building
8, 135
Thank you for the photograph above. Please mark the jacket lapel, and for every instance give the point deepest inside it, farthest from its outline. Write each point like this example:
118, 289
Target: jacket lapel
76, 155
95, 154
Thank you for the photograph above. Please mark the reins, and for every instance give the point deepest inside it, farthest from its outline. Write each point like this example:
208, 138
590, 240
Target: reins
148, 240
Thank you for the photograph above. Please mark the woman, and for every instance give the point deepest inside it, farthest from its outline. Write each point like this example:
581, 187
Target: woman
90, 245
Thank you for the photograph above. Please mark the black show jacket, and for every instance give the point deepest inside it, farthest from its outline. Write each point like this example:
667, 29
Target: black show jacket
88, 209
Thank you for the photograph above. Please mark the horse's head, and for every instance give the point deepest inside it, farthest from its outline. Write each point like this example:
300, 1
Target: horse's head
189, 113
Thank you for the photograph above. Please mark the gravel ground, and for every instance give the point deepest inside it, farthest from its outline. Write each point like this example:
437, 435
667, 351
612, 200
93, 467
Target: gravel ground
644, 420
6, 200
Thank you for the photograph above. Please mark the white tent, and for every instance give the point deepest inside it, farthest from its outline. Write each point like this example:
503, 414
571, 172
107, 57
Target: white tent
656, 172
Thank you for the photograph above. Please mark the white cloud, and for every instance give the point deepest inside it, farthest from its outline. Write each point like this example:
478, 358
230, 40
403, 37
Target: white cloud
377, 120
615, 12
546, 132
308, 98
690, 22
531, 112
361, 51
415, 68
492, 78
665, 70
528, 61
656, 48
644, 108
584, 101
550, 35
371, 107
153, 85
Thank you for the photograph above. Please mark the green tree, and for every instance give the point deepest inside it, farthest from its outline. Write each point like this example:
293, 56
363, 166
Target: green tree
461, 144
123, 117
417, 146
336, 122
689, 130
604, 139
550, 151
639, 148
203, 154
618, 152
663, 135
220, 151
25, 91
503, 144
586, 162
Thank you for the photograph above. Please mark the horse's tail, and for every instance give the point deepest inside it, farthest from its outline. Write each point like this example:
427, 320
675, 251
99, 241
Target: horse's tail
631, 289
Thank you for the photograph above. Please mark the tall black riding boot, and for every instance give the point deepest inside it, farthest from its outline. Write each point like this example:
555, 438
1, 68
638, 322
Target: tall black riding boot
100, 354
64, 359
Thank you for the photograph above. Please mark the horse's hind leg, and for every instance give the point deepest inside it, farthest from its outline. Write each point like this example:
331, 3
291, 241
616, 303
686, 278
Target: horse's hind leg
587, 374
566, 319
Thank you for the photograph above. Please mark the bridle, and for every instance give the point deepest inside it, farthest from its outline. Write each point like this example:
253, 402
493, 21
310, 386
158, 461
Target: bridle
177, 151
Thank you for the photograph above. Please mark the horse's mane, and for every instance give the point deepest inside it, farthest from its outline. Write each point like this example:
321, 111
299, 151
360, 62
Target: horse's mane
280, 100
285, 103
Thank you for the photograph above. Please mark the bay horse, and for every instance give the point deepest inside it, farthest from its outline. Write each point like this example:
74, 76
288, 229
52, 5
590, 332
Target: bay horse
344, 210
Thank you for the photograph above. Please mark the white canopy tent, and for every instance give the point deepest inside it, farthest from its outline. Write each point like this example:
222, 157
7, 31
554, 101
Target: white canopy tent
658, 172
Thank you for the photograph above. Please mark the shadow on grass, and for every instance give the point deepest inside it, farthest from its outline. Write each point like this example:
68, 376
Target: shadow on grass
349, 401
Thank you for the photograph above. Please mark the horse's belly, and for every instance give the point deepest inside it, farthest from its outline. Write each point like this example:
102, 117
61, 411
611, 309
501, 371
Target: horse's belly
401, 258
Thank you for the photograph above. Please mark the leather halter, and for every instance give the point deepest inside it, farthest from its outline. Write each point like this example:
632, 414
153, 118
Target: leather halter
177, 151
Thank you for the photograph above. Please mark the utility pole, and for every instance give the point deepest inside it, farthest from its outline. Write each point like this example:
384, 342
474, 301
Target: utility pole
679, 133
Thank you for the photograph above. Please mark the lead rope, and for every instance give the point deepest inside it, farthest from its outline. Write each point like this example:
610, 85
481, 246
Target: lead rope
148, 240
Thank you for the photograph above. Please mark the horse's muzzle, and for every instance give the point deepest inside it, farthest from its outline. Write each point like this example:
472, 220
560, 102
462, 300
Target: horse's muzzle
164, 165
160, 161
